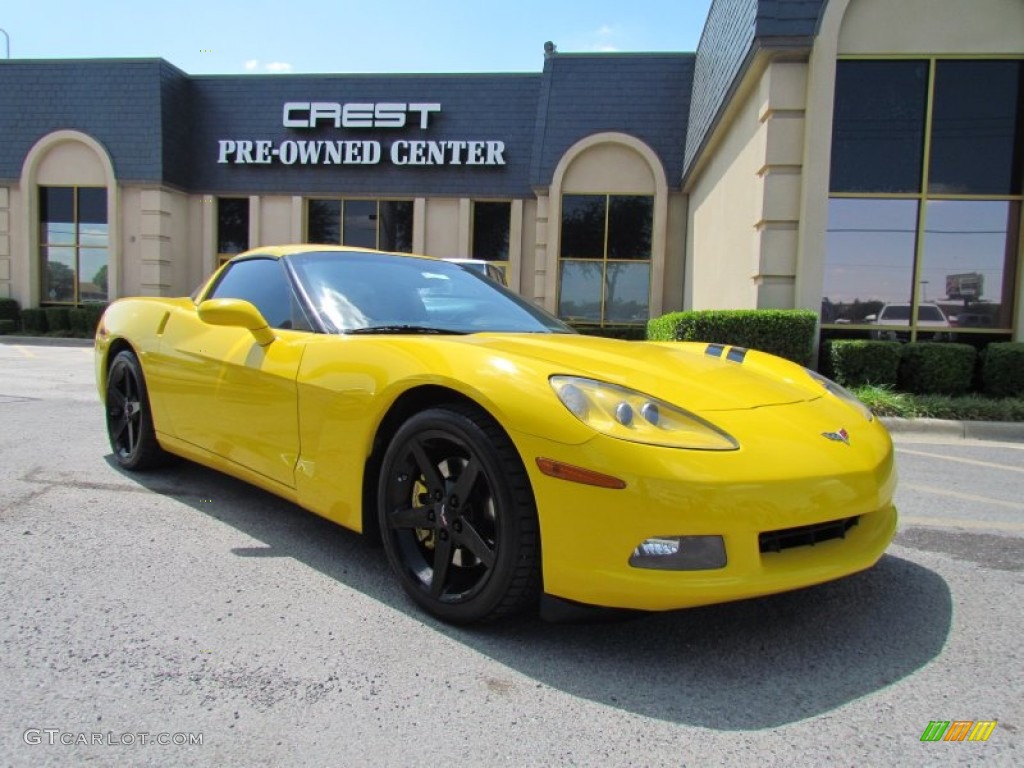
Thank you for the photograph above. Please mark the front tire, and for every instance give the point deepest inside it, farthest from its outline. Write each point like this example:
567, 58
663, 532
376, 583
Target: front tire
129, 419
457, 516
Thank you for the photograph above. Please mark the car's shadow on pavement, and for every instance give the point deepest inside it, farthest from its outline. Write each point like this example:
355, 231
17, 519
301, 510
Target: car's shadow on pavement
747, 665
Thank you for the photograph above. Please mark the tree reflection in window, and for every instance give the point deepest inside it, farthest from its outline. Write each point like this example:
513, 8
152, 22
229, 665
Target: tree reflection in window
382, 224
74, 244
232, 225
605, 252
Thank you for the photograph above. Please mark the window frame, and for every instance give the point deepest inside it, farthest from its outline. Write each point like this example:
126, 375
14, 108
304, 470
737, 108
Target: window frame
500, 264
225, 256
603, 321
341, 219
75, 244
922, 197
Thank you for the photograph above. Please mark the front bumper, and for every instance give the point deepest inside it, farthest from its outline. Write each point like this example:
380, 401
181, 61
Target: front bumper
784, 475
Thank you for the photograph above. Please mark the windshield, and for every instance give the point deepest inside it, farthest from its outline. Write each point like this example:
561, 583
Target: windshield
391, 293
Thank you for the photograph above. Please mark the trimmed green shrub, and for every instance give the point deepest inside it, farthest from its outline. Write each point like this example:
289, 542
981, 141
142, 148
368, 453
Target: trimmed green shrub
788, 333
84, 319
9, 310
79, 321
1002, 369
7, 326
856, 362
934, 368
627, 332
58, 319
33, 320
94, 312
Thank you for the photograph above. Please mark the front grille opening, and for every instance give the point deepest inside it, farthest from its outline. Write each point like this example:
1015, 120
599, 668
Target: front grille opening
805, 535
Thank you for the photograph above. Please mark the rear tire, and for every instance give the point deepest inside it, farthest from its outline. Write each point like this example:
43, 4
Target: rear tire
457, 516
129, 419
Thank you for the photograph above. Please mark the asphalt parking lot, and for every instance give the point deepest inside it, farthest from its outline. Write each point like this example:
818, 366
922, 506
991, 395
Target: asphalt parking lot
183, 606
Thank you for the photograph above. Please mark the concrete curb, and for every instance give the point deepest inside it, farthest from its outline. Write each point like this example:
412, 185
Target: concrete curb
45, 341
1003, 431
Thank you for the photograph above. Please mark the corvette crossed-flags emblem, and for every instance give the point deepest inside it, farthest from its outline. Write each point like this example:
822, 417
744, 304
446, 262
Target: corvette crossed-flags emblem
842, 436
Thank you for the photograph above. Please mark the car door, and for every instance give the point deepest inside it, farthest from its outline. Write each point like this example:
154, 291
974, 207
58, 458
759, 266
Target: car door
228, 394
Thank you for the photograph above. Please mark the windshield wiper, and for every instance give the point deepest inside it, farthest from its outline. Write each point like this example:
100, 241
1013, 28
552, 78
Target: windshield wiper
397, 329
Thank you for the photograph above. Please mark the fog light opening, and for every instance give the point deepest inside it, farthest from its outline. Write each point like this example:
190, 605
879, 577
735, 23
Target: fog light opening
680, 553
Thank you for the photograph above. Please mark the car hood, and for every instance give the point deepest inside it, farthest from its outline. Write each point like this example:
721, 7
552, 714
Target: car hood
698, 377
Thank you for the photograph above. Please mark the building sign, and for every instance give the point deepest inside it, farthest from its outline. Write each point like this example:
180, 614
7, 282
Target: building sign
297, 115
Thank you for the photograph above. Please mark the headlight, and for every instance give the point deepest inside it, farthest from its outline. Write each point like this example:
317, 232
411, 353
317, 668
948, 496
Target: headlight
630, 415
842, 393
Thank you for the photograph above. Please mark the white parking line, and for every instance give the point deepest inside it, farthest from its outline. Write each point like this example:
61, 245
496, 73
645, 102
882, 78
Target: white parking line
964, 496
952, 522
973, 462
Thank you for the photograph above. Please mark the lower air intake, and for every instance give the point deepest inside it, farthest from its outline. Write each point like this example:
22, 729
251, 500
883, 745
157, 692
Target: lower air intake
805, 535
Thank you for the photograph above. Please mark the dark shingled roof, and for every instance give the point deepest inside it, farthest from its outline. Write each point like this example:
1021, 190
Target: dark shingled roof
161, 125
116, 102
644, 95
733, 31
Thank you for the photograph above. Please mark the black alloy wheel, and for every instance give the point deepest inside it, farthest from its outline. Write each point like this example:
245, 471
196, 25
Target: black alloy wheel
129, 421
457, 516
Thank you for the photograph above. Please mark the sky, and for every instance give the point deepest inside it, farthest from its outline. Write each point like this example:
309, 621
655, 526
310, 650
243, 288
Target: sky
312, 36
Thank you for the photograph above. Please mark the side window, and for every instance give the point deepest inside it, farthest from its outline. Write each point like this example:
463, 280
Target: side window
263, 283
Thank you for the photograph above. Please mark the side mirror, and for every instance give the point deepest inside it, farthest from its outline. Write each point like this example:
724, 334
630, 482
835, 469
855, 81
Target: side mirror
236, 313
870, 318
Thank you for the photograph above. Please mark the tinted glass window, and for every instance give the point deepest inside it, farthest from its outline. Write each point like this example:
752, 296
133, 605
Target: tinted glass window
324, 222
869, 259
968, 259
232, 224
381, 224
57, 215
583, 220
878, 126
627, 292
92, 205
59, 276
977, 128
491, 230
579, 291
261, 282
360, 228
630, 218
395, 229
74, 243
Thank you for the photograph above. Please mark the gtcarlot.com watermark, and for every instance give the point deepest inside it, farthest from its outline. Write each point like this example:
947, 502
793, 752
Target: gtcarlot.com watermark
55, 736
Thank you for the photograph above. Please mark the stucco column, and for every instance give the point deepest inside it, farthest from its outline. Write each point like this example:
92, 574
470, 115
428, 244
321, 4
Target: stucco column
5, 243
157, 273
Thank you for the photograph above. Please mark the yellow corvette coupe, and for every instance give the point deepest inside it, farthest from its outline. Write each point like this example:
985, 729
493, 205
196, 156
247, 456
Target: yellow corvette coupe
505, 461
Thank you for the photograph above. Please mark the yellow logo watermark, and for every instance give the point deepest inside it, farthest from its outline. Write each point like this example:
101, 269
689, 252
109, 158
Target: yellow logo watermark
959, 730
